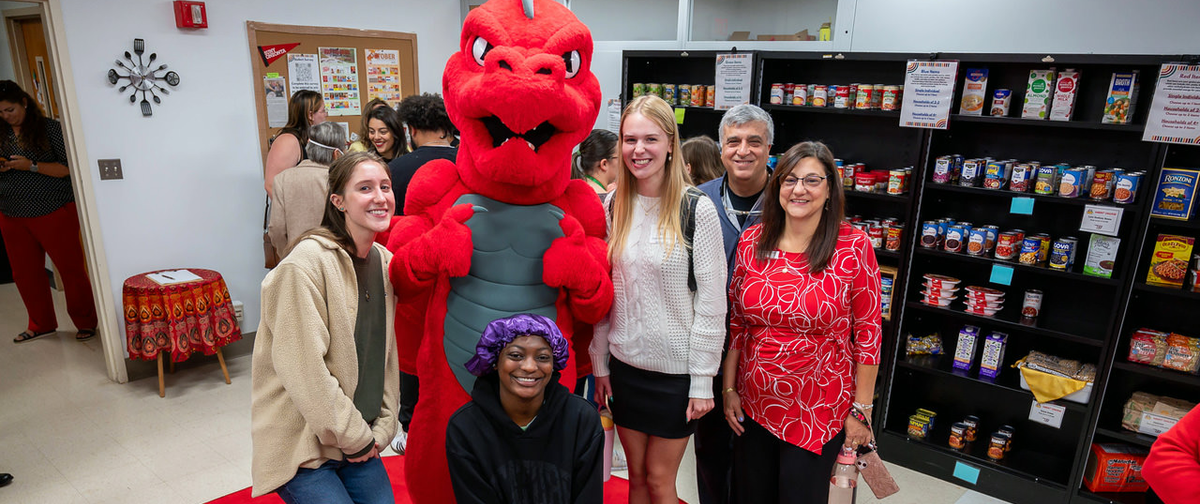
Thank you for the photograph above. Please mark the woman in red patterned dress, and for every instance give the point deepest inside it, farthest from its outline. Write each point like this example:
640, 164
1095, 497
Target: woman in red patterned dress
805, 336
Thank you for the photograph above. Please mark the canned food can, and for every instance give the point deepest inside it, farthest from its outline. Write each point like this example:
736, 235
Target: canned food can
776, 93
1001, 100
1030, 248
931, 233
848, 172
819, 96
842, 99
891, 95
864, 181
1021, 175
896, 181
977, 241
1071, 182
1047, 180
668, 95
852, 96
954, 238
990, 244
876, 234
698, 95
1007, 246
710, 96
881, 179
1044, 248
1102, 185
1032, 305
654, 89
685, 95
1127, 187
639, 89
788, 90
862, 101
996, 174
1060, 255
972, 173
877, 96
800, 95
942, 168
894, 233
1074, 242
996, 446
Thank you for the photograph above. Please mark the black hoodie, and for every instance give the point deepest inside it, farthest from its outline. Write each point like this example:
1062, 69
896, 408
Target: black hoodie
557, 460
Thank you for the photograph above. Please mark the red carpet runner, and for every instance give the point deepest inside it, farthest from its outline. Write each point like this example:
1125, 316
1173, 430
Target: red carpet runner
615, 491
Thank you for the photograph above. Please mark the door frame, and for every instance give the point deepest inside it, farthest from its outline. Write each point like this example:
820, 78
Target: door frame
111, 325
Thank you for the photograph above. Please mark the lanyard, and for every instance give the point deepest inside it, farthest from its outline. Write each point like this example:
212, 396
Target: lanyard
732, 212
598, 183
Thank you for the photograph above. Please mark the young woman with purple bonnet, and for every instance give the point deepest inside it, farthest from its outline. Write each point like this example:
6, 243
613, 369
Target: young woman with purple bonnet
524, 438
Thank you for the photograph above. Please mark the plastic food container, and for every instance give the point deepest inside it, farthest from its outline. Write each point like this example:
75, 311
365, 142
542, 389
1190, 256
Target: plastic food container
941, 281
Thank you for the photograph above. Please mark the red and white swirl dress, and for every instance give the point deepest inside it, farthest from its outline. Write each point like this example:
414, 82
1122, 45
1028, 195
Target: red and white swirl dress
801, 334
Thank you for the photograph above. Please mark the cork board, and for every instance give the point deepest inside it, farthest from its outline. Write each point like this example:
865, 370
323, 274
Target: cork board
310, 39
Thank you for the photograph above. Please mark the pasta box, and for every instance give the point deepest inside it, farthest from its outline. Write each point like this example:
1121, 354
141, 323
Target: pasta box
1176, 193
1169, 264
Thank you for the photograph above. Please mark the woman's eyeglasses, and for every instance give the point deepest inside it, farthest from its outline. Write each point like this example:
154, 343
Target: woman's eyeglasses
810, 181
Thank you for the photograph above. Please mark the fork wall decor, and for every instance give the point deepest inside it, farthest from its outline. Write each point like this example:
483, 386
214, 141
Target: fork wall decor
143, 77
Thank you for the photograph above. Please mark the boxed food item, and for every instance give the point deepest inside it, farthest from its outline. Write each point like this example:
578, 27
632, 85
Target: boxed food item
1153, 415
1122, 94
1038, 93
1001, 100
1169, 263
1176, 193
1115, 468
993, 355
1063, 106
964, 353
1101, 256
974, 92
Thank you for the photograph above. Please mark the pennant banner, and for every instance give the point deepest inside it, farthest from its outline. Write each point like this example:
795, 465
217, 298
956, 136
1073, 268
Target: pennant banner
271, 53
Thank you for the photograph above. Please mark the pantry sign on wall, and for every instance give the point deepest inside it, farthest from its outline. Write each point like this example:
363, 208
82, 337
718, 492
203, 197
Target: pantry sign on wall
928, 93
1175, 111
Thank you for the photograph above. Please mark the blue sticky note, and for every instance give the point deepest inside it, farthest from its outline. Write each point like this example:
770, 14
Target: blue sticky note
966, 473
1001, 274
1021, 205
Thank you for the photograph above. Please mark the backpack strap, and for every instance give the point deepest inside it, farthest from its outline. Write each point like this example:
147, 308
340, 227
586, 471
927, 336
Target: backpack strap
687, 220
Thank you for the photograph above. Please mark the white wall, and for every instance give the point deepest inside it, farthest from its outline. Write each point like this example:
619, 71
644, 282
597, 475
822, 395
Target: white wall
192, 194
7, 72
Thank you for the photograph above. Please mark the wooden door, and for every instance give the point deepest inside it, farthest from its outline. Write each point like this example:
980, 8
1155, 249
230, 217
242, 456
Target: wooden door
36, 62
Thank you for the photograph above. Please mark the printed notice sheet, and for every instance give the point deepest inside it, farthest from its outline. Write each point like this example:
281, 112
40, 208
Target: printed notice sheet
339, 80
383, 75
1175, 112
303, 73
928, 91
277, 98
733, 80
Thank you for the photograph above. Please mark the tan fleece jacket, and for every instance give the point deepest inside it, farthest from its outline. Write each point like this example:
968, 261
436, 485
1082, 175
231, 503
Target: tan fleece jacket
305, 367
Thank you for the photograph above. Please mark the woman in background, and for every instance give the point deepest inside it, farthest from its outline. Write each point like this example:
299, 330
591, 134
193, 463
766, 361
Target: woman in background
385, 134
360, 145
664, 338
305, 109
703, 159
38, 216
301, 191
799, 379
596, 161
325, 382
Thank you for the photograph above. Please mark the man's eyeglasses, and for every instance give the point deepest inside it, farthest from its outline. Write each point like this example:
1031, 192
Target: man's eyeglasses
810, 181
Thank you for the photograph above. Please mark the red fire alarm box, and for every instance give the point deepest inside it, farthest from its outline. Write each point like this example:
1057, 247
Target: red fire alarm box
190, 14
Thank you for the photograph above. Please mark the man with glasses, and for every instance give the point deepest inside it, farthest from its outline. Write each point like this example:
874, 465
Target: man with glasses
746, 135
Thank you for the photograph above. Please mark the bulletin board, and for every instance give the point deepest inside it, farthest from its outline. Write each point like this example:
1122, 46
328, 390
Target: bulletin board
350, 63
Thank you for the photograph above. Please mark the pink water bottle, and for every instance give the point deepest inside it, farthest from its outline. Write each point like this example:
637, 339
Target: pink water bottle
845, 477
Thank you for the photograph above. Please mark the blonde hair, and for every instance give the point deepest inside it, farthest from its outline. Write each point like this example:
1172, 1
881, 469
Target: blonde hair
675, 180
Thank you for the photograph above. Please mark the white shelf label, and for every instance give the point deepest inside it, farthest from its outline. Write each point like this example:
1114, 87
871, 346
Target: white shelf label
1048, 414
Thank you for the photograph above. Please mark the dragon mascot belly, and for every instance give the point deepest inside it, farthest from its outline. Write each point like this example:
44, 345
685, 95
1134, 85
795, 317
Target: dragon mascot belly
503, 229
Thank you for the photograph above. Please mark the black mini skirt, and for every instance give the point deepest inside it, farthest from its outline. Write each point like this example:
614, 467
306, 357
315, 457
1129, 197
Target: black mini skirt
650, 402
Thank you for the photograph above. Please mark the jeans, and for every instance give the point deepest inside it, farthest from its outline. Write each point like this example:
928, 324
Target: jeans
340, 482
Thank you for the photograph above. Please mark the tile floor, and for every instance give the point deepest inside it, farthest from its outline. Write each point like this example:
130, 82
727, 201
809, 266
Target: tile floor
71, 436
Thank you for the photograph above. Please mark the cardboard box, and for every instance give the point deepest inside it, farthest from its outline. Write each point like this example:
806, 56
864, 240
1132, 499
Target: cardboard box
800, 35
1176, 193
1038, 93
964, 353
974, 92
740, 35
1122, 94
1169, 262
1115, 468
1065, 92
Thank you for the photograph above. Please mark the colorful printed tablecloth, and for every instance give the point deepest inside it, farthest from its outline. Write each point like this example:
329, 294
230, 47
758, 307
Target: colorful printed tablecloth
180, 318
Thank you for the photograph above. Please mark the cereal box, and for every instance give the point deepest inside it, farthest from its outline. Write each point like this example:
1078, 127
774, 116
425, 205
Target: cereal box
1101, 256
1176, 193
974, 91
1037, 94
1169, 264
1122, 94
1063, 106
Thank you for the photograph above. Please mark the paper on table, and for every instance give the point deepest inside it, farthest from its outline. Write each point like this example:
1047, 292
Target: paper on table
173, 277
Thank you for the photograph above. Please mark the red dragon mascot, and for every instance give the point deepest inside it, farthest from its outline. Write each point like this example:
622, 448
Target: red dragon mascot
503, 230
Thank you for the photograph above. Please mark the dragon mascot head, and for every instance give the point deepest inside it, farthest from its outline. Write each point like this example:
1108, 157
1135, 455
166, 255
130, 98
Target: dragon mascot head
502, 230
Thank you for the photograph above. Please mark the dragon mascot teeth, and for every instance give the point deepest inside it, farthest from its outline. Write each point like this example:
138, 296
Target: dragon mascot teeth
503, 230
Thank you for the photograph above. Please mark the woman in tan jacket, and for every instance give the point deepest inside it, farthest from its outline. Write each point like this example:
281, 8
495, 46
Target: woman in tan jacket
325, 369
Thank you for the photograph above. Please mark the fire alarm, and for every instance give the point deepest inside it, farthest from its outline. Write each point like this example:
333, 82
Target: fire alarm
190, 14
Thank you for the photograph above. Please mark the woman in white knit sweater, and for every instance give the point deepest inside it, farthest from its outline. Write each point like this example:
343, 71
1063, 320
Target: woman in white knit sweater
656, 353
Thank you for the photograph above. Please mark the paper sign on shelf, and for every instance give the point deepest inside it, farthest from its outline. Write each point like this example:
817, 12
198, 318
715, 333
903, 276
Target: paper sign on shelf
1001, 274
614, 116
1101, 219
1021, 205
1175, 112
1048, 414
734, 72
679, 113
928, 93
1155, 425
966, 473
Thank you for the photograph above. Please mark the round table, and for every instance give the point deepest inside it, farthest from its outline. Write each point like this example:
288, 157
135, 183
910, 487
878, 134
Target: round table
178, 319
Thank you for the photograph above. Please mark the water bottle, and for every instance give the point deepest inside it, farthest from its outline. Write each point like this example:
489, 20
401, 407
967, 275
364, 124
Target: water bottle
844, 478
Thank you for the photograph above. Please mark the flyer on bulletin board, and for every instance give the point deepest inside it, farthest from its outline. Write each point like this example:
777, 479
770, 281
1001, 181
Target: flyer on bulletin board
277, 98
928, 93
383, 75
339, 80
1175, 112
303, 73
734, 72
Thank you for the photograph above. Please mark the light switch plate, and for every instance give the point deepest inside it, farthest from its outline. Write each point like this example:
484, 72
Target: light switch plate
110, 169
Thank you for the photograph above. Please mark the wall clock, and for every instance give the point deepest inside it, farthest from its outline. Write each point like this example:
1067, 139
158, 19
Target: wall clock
144, 78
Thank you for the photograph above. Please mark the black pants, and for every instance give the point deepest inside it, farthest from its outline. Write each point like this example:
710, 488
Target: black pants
408, 399
767, 470
714, 452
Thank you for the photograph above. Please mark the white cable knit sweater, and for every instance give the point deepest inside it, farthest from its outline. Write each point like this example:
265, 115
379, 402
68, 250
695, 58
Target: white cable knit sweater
656, 322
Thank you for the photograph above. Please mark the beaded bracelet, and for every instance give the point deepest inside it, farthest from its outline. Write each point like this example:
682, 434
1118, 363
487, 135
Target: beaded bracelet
860, 416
